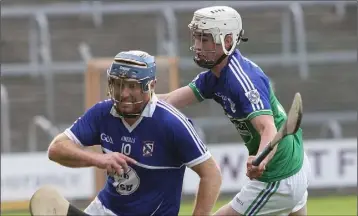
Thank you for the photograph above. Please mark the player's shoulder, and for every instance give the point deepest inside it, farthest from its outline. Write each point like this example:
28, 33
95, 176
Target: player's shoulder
203, 75
244, 70
102, 107
170, 115
240, 63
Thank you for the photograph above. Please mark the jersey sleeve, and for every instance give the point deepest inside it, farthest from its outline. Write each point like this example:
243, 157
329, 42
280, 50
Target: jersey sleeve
85, 130
200, 86
191, 150
254, 95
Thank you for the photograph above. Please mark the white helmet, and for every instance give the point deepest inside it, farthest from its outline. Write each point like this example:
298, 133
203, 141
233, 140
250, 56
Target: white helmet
219, 21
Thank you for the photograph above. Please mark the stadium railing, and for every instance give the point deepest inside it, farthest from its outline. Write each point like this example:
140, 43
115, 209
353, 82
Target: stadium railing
5, 121
46, 125
39, 32
40, 16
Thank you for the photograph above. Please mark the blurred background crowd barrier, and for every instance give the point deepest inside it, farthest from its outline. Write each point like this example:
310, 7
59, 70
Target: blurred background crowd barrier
306, 46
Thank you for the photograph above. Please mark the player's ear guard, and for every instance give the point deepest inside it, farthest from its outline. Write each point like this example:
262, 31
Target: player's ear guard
48, 201
242, 38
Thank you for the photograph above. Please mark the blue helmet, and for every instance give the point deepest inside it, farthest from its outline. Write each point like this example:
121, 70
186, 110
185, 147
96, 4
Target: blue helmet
134, 64
131, 67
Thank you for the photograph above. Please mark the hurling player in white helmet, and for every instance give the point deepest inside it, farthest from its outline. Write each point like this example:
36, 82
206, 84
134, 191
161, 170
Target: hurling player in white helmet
147, 145
278, 186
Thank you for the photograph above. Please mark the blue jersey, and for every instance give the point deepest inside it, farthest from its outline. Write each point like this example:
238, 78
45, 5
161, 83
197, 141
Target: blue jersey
163, 141
242, 88
244, 92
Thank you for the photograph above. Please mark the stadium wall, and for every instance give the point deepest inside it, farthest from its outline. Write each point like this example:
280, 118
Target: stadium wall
333, 162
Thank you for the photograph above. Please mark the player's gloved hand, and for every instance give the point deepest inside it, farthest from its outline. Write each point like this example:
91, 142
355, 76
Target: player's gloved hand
254, 172
114, 162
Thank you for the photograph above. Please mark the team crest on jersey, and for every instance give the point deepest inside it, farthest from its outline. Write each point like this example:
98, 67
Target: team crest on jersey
148, 147
253, 96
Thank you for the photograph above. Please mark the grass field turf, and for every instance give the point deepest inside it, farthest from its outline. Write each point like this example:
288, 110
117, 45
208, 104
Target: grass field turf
338, 205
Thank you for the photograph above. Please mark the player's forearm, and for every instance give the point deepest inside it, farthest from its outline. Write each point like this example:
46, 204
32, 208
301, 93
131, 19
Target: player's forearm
267, 134
208, 192
70, 154
172, 98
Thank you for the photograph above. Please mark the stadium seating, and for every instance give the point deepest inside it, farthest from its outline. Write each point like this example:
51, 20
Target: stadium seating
330, 87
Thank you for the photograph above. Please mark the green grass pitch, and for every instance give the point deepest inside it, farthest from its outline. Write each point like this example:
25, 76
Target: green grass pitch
342, 205
333, 205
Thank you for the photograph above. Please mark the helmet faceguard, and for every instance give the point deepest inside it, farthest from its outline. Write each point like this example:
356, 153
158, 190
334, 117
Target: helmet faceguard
217, 22
129, 82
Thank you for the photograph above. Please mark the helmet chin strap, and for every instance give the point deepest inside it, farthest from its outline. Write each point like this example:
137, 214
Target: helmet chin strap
208, 64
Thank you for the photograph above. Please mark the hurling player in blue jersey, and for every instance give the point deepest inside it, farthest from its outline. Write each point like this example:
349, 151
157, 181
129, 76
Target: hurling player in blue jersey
278, 186
147, 145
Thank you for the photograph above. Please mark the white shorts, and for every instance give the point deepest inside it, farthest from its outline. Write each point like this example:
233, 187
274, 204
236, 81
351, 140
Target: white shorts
275, 198
96, 208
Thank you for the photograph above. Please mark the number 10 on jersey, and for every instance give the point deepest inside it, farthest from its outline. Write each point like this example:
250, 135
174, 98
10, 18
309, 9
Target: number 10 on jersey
126, 148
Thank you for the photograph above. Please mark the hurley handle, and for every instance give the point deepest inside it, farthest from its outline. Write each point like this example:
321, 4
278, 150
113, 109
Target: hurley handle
262, 155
